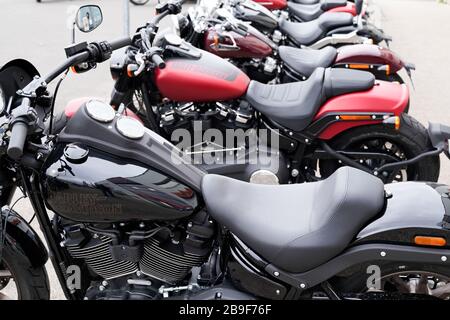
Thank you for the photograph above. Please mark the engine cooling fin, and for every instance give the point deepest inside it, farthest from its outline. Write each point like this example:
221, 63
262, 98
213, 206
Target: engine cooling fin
98, 257
167, 262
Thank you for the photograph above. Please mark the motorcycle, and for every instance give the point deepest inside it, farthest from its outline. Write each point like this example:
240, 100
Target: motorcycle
263, 60
330, 28
336, 117
135, 221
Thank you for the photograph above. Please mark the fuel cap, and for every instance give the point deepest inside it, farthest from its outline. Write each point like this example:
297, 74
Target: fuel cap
130, 127
100, 111
76, 153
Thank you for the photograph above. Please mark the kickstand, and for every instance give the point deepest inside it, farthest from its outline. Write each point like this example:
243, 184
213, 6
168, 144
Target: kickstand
333, 295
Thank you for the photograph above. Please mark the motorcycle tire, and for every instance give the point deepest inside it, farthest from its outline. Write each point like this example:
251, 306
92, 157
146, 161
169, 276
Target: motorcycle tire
357, 282
31, 282
410, 140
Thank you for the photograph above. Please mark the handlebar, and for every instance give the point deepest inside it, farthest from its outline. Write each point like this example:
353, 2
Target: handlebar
120, 43
158, 61
19, 132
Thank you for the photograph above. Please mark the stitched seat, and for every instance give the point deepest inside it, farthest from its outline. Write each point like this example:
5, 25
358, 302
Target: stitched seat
307, 33
305, 61
296, 227
308, 12
295, 104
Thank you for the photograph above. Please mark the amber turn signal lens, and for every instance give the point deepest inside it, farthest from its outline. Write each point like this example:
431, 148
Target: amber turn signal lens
216, 40
388, 69
358, 66
72, 68
430, 241
355, 117
397, 123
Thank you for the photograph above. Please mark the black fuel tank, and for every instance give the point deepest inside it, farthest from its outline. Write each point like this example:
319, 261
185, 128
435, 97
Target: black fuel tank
104, 188
97, 174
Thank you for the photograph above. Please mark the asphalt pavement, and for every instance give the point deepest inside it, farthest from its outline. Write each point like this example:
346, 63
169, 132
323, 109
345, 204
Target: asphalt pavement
40, 31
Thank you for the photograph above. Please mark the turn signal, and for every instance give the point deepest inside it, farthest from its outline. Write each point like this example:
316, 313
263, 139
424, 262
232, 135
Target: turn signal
355, 117
72, 68
358, 66
216, 41
430, 241
393, 121
388, 69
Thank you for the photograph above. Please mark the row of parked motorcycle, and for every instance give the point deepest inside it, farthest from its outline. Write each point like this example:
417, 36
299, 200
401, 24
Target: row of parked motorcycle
135, 217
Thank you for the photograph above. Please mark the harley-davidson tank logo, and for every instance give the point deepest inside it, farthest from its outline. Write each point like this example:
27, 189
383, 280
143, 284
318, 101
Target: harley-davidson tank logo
87, 204
216, 71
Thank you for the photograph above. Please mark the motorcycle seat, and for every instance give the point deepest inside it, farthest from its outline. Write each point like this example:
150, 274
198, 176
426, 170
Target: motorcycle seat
295, 104
307, 33
305, 61
308, 12
296, 227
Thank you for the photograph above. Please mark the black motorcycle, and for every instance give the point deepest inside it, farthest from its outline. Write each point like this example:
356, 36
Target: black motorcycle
135, 221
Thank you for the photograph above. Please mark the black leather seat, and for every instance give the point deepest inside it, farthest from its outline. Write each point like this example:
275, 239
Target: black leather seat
305, 61
296, 227
308, 12
307, 33
295, 104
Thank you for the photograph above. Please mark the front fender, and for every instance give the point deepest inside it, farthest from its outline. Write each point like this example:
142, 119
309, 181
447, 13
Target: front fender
22, 238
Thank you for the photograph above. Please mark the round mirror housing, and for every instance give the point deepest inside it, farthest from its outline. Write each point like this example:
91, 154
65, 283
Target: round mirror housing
88, 18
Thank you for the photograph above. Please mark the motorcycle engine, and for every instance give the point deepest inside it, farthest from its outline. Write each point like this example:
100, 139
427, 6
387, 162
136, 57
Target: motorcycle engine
220, 115
132, 260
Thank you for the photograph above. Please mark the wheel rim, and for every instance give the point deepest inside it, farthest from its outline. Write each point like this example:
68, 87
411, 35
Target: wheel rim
378, 145
8, 287
417, 282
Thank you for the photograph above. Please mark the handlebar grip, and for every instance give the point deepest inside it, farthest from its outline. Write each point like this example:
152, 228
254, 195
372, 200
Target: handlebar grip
19, 133
120, 43
158, 61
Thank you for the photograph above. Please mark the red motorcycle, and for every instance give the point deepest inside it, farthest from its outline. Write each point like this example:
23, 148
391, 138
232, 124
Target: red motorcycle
336, 117
263, 60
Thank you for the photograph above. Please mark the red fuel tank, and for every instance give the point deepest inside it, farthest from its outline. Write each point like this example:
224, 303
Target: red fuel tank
204, 79
247, 46
273, 4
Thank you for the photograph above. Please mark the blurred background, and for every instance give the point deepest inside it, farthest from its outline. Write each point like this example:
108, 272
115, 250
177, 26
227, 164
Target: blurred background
39, 32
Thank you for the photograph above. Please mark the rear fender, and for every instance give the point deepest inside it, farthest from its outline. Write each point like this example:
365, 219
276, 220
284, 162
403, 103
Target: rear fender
366, 56
349, 8
412, 209
370, 107
22, 238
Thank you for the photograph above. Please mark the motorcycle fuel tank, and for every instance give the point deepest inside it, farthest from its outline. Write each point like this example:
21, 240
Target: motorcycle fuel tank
206, 78
234, 45
100, 173
273, 4
260, 17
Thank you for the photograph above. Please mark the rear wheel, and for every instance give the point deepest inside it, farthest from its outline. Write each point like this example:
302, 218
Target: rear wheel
408, 142
399, 281
19, 280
